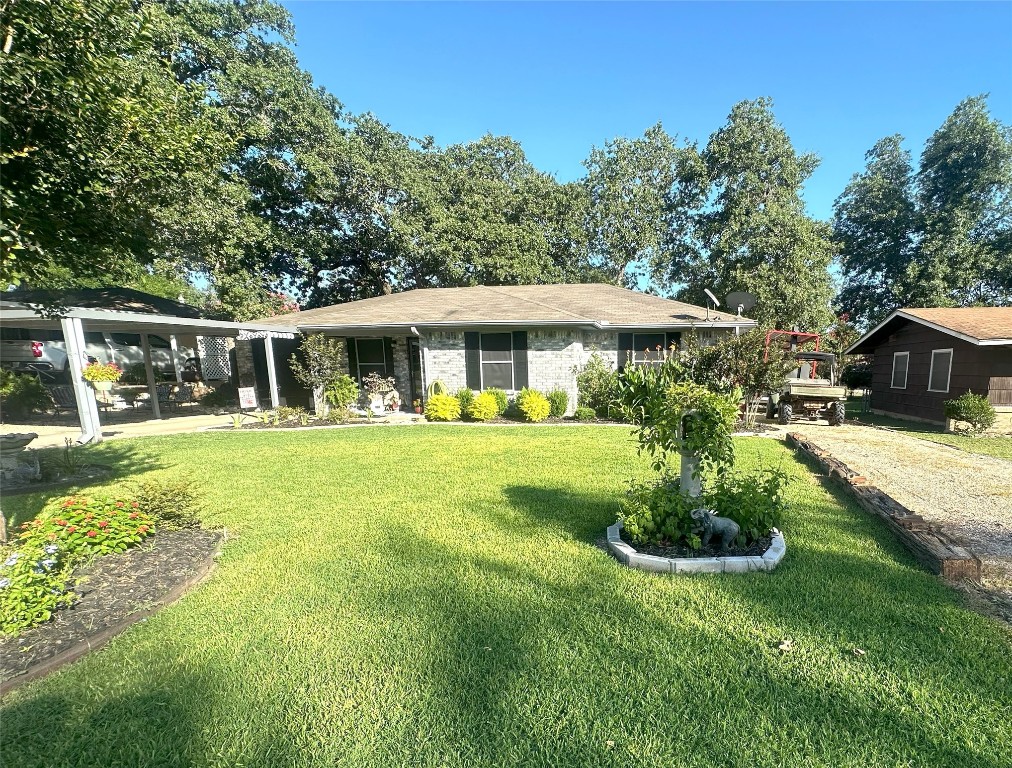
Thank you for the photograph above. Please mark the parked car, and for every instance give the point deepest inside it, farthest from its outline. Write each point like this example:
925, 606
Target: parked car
45, 352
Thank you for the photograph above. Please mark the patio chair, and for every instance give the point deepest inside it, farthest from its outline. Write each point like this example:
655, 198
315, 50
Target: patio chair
181, 394
63, 398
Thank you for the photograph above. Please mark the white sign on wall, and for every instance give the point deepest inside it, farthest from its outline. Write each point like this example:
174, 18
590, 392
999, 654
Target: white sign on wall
247, 397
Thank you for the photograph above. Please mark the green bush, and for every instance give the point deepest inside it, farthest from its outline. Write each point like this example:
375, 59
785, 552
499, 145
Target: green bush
483, 407
465, 397
973, 410
558, 402
221, 397
597, 385
857, 375
533, 405
173, 505
36, 570
442, 408
341, 392
22, 395
658, 513
583, 413
135, 373
501, 398
755, 501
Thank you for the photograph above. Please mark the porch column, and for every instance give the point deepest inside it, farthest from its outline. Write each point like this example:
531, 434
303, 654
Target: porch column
149, 371
77, 357
176, 365
272, 374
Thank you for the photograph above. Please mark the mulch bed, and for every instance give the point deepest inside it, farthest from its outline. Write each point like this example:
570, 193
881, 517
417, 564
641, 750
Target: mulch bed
115, 590
755, 549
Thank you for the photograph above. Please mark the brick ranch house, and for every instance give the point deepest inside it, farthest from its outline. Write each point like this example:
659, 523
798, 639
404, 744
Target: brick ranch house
508, 336
923, 357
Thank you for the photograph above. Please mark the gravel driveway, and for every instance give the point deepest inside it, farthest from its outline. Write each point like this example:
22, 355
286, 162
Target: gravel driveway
970, 495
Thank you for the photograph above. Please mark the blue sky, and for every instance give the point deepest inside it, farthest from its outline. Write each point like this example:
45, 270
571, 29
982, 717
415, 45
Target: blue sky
562, 77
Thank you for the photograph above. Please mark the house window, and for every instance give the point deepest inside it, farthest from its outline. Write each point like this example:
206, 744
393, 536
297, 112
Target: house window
371, 357
901, 361
648, 348
497, 360
941, 368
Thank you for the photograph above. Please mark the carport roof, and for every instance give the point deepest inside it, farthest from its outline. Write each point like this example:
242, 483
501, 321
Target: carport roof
25, 315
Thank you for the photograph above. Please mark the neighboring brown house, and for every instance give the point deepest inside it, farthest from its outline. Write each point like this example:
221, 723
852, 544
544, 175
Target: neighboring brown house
923, 357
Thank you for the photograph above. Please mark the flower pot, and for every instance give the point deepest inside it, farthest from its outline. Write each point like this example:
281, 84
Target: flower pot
418, 409
376, 405
102, 386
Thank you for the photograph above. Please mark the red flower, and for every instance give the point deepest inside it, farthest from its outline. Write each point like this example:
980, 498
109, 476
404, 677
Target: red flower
71, 528
142, 529
52, 536
61, 522
89, 516
68, 503
119, 503
134, 504
133, 515
103, 523
92, 534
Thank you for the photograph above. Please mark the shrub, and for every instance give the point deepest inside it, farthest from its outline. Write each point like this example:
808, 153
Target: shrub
856, 375
973, 410
341, 392
172, 504
465, 397
558, 402
36, 570
221, 397
658, 513
501, 398
533, 405
290, 413
583, 413
21, 395
483, 407
135, 373
597, 385
442, 408
755, 501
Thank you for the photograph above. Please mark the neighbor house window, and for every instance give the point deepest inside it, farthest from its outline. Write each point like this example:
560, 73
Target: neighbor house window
941, 368
901, 361
497, 360
648, 348
371, 357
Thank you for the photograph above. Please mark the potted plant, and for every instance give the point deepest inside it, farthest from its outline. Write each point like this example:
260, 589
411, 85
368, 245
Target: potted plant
418, 406
101, 375
376, 387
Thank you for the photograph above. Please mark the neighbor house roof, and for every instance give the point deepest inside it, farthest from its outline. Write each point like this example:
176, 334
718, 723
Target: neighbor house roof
120, 299
595, 304
983, 326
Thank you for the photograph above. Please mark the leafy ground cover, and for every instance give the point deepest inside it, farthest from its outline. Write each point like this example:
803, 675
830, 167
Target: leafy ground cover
999, 446
433, 596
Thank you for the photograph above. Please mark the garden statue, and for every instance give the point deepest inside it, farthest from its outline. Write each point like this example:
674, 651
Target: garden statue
13, 467
712, 524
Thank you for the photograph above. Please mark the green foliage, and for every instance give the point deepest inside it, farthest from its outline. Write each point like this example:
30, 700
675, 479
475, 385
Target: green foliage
656, 512
558, 401
135, 373
739, 224
71, 461
658, 414
501, 399
483, 407
442, 408
583, 413
533, 405
465, 397
935, 235
36, 570
754, 500
99, 371
437, 387
319, 362
341, 392
172, 504
597, 385
857, 375
222, 396
290, 413
22, 395
973, 410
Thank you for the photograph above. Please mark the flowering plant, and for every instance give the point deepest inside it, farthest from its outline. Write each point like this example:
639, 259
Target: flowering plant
376, 385
101, 372
36, 571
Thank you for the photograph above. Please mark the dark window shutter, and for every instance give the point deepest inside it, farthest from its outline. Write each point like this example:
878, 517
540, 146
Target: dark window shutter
349, 344
472, 359
388, 356
673, 338
625, 345
519, 359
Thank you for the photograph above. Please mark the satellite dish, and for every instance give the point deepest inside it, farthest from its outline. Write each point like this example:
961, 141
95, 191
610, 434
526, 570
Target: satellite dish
740, 301
714, 299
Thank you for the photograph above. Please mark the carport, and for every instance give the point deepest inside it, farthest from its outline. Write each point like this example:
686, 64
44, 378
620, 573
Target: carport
74, 322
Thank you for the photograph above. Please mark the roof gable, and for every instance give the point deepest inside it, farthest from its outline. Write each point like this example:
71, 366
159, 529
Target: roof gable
983, 326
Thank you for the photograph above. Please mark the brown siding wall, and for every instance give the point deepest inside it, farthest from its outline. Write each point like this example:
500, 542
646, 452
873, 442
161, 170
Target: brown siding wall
971, 369
1000, 387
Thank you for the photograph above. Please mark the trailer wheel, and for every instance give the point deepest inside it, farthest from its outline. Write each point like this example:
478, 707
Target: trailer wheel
837, 413
785, 413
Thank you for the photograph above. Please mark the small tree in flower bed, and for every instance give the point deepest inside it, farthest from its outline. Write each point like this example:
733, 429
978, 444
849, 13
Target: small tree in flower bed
36, 570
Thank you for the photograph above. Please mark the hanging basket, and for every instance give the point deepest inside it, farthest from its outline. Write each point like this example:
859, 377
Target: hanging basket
102, 386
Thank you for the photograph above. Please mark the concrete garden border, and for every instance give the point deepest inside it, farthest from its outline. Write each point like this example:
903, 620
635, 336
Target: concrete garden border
627, 555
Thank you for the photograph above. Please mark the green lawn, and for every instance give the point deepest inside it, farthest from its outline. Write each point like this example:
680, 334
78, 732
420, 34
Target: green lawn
999, 446
432, 596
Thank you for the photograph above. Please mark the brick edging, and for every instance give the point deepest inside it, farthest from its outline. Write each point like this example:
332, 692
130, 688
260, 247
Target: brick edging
93, 643
932, 545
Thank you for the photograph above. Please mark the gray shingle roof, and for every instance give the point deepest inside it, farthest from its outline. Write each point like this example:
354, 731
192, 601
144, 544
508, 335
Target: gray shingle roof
570, 304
